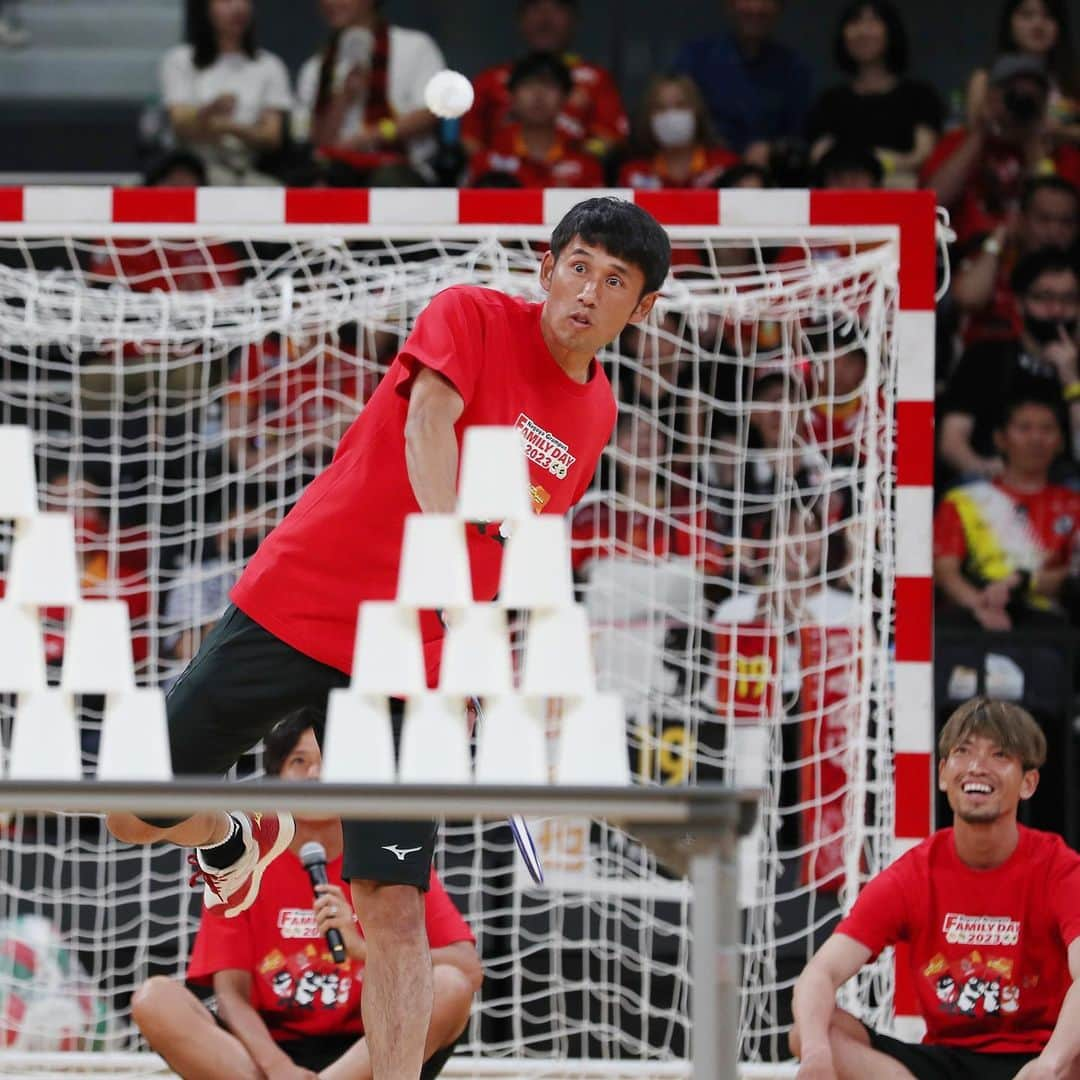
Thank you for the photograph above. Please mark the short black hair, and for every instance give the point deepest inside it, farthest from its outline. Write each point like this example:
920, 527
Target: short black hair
848, 157
158, 169
541, 65
622, 229
1028, 397
1045, 261
202, 38
1046, 183
283, 737
896, 36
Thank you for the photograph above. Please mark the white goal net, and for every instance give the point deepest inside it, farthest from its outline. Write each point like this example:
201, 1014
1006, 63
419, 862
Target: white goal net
734, 554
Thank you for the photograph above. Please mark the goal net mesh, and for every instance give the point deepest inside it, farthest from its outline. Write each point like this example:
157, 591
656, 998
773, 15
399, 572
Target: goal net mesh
734, 554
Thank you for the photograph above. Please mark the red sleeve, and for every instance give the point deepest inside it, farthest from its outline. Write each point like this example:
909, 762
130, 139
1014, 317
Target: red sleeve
944, 150
221, 945
445, 926
949, 538
1067, 164
879, 917
448, 338
609, 117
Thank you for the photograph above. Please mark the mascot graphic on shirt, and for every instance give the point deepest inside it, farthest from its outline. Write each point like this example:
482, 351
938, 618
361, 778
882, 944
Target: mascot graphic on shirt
306, 979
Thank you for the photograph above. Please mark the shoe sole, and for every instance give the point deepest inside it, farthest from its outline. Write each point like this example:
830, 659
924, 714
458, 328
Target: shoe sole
285, 837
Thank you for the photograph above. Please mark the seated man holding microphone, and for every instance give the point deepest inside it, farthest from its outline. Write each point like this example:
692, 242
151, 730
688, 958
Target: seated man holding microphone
286, 973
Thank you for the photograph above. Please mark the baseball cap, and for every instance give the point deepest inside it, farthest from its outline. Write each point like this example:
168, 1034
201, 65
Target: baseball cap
1018, 65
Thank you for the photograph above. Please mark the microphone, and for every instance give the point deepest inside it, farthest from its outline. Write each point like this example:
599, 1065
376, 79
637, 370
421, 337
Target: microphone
313, 856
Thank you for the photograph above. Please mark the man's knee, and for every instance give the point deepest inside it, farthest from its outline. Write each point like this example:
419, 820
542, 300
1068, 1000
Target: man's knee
454, 988
130, 829
154, 1004
395, 911
794, 1041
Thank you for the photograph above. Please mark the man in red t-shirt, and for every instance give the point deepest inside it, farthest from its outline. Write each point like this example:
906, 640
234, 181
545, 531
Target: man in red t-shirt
990, 913
593, 114
281, 1000
1007, 547
475, 357
532, 149
979, 172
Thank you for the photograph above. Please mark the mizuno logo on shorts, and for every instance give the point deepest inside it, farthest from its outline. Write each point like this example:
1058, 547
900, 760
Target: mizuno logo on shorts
399, 852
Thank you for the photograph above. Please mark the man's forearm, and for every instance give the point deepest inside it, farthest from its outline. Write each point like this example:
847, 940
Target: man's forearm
813, 1004
241, 1018
952, 175
431, 454
1062, 1052
951, 581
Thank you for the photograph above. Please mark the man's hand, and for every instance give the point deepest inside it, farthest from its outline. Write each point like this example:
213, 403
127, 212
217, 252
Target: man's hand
816, 1065
1064, 355
333, 911
989, 608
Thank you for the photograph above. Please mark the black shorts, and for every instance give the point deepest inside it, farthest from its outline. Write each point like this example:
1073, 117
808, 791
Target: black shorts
948, 1062
241, 682
318, 1053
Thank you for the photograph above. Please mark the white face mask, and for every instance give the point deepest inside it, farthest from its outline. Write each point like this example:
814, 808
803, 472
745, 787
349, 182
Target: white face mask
673, 127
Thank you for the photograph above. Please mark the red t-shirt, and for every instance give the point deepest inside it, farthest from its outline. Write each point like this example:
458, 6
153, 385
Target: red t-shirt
706, 167
341, 543
296, 987
988, 948
563, 166
1047, 521
594, 109
996, 183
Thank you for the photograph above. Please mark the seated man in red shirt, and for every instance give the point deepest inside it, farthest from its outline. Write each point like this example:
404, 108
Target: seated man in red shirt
283, 1007
591, 115
979, 172
1005, 548
990, 911
531, 148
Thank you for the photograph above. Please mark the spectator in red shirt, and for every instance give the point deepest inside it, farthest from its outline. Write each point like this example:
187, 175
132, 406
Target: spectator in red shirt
990, 912
676, 140
1049, 217
532, 148
979, 171
1010, 546
283, 1007
592, 114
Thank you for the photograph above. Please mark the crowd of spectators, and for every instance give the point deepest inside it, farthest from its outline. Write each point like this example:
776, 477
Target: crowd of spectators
735, 109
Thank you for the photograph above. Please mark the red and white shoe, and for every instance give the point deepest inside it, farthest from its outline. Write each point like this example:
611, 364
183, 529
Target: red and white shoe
233, 890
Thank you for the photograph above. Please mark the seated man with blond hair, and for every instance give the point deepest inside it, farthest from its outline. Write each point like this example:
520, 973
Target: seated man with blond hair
990, 911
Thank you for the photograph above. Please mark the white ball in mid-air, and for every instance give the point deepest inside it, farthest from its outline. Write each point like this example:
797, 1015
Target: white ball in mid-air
448, 94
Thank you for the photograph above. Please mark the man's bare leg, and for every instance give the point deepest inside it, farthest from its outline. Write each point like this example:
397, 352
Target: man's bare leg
199, 830
184, 1033
397, 998
451, 1004
853, 1056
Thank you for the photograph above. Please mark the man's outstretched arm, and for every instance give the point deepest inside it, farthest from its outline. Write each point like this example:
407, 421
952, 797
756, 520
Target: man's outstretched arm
431, 451
814, 999
1060, 1059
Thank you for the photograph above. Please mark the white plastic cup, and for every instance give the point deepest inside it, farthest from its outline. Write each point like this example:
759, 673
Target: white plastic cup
558, 654
45, 741
18, 492
536, 569
476, 653
135, 737
494, 483
593, 742
22, 650
434, 569
511, 742
359, 741
44, 571
434, 741
389, 655
97, 650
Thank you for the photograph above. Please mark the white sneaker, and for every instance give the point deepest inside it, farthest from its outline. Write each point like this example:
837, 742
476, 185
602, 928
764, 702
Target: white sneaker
12, 35
233, 890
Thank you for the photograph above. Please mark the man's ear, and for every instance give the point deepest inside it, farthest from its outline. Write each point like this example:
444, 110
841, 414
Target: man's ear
645, 305
941, 775
547, 270
1029, 784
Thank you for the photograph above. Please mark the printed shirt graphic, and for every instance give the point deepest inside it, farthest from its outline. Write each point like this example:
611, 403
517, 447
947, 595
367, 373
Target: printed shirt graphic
296, 986
341, 543
988, 947
996, 530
